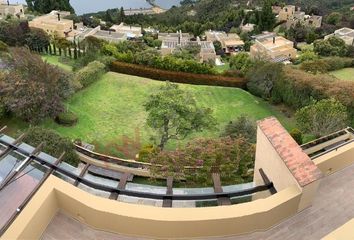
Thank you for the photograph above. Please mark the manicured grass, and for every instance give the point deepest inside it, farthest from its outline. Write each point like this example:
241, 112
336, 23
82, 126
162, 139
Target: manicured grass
111, 113
112, 117
344, 74
55, 61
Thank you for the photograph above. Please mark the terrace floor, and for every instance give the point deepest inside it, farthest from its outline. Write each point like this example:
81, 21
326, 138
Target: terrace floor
332, 208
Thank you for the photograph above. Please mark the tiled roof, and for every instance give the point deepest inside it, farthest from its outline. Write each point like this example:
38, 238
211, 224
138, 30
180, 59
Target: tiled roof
298, 162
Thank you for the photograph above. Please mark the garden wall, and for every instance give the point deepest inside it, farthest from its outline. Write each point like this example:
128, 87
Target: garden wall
178, 77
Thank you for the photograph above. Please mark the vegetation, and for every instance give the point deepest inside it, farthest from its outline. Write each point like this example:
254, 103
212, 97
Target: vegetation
231, 158
332, 46
241, 62
344, 74
176, 119
46, 6
244, 126
66, 118
297, 135
178, 77
54, 144
33, 97
323, 117
89, 74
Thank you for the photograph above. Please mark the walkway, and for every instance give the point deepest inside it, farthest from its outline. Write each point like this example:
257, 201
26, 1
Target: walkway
332, 208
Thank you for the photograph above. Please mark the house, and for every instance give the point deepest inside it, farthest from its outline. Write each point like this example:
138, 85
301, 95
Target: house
16, 10
273, 48
130, 31
54, 23
292, 15
230, 42
346, 34
171, 42
109, 36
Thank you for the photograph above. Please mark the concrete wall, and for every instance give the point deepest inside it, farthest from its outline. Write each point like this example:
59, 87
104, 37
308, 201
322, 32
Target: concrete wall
137, 220
336, 160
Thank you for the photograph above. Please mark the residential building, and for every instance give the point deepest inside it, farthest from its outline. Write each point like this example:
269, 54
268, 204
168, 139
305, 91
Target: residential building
230, 42
346, 34
130, 31
54, 23
16, 10
297, 192
171, 42
273, 48
109, 36
292, 15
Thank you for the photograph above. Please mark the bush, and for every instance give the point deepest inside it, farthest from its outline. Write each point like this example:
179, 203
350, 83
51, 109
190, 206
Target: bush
323, 117
178, 77
315, 66
241, 62
327, 64
67, 118
243, 126
3, 47
89, 74
54, 144
145, 152
261, 78
297, 135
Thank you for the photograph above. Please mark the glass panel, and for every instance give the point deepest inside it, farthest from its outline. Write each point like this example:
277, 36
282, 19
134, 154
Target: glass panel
142, 201
101, 180
9, 163
13, 195
94, 191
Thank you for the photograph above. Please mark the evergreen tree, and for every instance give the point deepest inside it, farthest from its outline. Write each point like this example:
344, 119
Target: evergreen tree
46, 6
266, 20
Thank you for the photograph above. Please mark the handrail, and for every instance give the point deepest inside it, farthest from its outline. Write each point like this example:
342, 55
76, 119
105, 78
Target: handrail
332, 149
156, 196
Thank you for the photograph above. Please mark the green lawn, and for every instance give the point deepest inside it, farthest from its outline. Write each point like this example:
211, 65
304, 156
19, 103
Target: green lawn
111, 113
222, 68
344, 74
112, 117
55, 61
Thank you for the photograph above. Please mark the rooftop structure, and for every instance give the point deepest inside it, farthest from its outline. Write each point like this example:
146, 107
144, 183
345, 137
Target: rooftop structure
54, 23
292, 15
16, 10
346, 34
109, 36
230, 42
273, 48
294, 187
248, 27
171, 42
130, 31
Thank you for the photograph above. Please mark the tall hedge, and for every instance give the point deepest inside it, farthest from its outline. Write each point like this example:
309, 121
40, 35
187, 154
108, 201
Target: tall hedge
89, 74
298, 88
178, 77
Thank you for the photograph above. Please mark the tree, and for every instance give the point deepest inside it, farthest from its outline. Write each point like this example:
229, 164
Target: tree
46, 6
262, 77
334, 18
174, 114
37, 39
32, 89
333, 46
244, 127
322, 118
307, 55
242, 62
266, 18
14, 32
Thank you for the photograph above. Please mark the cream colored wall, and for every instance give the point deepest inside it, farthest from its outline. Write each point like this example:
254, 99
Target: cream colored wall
139, 220
274, 167
52, 27
336, 160
345, 232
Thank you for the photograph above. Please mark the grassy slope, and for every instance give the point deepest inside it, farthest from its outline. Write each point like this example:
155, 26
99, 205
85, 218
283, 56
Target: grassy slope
55, 61
113, 107
344, 74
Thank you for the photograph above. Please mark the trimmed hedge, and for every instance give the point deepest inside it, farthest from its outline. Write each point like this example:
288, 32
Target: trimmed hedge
89, 74
178, 77
67, 118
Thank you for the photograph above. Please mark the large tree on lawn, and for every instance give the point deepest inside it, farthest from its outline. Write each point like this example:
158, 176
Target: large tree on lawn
174, 114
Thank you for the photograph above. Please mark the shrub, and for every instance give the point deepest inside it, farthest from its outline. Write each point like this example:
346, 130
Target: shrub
261, 78
178, 77
243, 126
297, 135
145, 152
322, 117
241, 62
3, 47
67, 118
327, 64
54, 144
89, 74
315, 66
